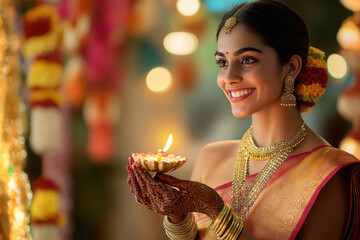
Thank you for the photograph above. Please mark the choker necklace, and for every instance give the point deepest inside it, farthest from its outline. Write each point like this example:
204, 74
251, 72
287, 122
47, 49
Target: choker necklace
264, 153
244, 192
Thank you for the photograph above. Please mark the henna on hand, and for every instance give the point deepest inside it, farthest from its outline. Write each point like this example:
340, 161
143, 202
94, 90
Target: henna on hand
200, 197
135, 188
174, 197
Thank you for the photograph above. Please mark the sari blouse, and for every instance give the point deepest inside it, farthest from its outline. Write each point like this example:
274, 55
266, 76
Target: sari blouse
284, 203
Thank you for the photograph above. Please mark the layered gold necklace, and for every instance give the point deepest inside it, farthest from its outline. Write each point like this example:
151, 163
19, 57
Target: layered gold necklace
245, 192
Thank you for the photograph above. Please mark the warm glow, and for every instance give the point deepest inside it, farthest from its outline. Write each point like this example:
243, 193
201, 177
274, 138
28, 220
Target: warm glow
349, 35
19, 216
353, 5
12, 187
181, 43
188, 7
351, 145
337, 66
159, 79
5, 160
168, 143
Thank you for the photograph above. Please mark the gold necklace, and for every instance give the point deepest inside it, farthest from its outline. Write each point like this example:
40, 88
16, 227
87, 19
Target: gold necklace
264, 153
244, 192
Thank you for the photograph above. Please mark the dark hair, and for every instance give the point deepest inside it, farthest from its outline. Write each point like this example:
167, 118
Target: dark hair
279, 27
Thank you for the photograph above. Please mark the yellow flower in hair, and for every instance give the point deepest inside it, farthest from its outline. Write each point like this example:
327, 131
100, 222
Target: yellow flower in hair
308, 98
315, 62
314, 89
317, 53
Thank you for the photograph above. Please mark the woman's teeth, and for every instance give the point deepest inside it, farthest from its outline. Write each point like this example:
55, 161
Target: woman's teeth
240, 93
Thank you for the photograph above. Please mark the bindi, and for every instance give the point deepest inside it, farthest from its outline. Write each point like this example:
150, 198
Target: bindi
227, 52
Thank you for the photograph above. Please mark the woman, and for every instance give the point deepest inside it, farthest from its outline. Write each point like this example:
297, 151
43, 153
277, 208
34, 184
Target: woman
298, 186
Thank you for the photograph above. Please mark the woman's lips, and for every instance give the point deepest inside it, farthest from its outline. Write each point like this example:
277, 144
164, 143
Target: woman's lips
237, 95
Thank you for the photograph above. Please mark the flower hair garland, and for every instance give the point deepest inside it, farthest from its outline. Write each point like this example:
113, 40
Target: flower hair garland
311, 82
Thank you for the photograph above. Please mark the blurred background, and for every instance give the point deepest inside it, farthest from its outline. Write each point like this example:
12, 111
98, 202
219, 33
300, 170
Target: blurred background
101, 79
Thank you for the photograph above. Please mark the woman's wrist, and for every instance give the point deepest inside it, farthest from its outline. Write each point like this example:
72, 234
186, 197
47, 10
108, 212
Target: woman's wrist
177, 218
186, 230
227, 225
215, 211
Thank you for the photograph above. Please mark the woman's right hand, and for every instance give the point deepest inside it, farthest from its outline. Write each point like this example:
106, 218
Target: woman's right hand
171, 196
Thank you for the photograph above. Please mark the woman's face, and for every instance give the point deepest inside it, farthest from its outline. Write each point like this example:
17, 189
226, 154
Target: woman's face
249, 74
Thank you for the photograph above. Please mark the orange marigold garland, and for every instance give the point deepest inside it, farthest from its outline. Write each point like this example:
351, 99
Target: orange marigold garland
311, 82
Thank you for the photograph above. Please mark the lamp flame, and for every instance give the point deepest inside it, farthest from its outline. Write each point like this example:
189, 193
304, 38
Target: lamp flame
168, 143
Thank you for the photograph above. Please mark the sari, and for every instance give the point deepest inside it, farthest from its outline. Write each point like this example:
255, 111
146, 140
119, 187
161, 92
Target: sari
284, 203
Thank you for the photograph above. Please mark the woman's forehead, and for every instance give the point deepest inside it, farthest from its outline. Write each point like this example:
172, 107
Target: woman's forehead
239, 37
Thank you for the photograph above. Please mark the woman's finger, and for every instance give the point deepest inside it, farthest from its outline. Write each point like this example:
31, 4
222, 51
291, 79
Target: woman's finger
153, 184
135, 188
146, 187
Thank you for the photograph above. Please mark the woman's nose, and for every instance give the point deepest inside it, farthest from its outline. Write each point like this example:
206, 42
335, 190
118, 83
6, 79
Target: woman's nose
233, 75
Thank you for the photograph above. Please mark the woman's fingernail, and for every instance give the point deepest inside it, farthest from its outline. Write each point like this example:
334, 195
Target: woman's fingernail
128, 169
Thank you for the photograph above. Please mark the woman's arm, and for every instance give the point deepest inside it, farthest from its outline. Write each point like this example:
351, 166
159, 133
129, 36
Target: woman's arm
207, 158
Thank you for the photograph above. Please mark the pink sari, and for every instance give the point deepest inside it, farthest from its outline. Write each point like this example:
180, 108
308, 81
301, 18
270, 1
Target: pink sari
283, 205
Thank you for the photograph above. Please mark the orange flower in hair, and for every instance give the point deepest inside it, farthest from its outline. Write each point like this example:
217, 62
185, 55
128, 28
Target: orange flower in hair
311, 82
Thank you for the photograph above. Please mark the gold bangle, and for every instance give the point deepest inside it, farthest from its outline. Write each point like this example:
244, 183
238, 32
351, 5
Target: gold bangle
219, 221
227, 225
184, 230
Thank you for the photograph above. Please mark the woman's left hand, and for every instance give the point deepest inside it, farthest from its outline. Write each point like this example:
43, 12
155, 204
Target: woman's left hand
174, 197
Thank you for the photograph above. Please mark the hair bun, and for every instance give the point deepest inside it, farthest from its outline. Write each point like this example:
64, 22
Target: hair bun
311, 83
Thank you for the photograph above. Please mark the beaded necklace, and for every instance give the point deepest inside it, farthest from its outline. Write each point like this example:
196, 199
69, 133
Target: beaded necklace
245, 192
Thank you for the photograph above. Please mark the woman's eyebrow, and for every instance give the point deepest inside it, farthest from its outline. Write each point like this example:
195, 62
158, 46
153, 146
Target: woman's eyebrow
219, 54
240, 51
246, 49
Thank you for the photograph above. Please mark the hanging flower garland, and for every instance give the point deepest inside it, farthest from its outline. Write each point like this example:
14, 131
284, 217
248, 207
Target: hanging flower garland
42, 33
104, 76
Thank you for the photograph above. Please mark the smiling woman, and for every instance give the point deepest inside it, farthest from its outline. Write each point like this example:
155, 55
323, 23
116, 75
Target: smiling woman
282, 180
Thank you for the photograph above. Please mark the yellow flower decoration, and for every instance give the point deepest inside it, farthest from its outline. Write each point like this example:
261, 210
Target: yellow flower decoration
308, 98
44, 74
317, 53
315, 62
45, 205
46, 94
314, 89
42, 44
47, 42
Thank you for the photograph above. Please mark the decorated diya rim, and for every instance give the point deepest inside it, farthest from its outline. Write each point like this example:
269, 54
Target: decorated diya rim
167, 162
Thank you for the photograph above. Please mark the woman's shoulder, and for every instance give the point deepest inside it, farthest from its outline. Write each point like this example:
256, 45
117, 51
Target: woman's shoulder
215, 159
220, 147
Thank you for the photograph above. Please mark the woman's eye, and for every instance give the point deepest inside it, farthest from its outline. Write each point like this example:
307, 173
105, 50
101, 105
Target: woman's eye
221, 63
247, 60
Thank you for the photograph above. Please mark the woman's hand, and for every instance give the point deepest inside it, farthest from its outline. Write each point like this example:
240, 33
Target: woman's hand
170, 196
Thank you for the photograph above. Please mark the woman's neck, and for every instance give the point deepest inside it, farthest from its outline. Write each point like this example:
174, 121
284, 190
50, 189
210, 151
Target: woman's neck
274, 124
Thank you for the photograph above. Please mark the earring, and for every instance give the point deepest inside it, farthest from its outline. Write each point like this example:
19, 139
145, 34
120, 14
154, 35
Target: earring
288, 99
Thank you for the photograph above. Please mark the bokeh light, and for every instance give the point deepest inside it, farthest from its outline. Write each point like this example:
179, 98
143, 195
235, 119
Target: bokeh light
188, 7
221, 6
159, 79
353, 5
337, 66
349, 35
180, 43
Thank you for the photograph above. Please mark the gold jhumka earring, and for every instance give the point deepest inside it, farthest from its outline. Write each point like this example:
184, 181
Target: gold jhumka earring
288, 99
232, 21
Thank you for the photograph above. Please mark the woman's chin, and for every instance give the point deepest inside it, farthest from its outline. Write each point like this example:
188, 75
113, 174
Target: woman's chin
240, 113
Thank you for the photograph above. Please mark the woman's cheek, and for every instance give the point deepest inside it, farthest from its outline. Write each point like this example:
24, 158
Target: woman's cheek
220, 82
